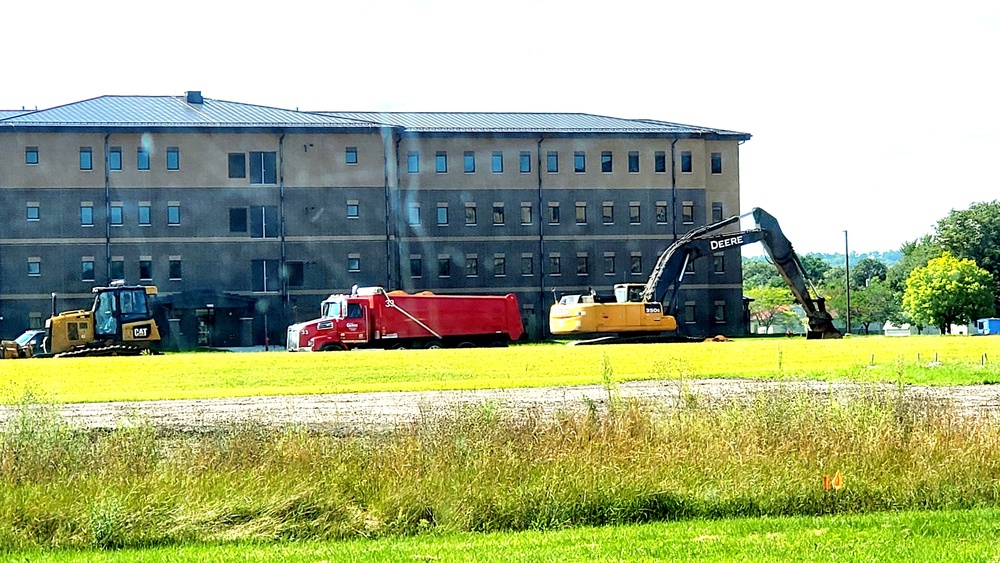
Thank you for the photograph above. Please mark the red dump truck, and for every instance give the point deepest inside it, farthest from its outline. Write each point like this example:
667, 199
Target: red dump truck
372, 318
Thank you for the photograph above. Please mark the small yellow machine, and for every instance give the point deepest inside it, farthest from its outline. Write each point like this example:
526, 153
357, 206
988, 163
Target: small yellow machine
120, 323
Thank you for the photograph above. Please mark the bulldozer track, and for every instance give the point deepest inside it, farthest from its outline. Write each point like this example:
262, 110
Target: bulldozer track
110, 350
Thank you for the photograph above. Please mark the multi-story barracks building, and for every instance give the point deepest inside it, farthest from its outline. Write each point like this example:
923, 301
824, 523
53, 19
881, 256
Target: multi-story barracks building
246, 217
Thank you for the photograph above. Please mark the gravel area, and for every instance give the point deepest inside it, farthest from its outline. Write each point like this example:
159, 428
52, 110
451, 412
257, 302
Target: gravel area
366, 412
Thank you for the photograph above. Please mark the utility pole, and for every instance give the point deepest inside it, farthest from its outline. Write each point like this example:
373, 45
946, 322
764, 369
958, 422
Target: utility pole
847, 281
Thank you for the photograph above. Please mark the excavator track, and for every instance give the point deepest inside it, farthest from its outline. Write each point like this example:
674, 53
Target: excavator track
106, 350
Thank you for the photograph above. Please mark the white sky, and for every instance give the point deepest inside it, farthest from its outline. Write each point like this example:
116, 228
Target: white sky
875, 117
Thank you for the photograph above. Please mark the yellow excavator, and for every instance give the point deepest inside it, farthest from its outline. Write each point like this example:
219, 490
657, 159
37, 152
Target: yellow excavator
120, 323
650, 308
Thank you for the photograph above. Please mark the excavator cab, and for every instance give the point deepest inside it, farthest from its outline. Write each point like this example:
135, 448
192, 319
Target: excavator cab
120, 322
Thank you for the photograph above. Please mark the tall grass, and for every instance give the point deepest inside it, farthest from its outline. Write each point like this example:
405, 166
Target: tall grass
476, 469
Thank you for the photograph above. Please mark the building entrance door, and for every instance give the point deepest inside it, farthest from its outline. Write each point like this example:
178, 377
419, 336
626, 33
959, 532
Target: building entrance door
206, 323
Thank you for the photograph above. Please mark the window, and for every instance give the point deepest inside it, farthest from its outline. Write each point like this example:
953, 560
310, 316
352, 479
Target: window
35, 320
582, 265
634, 216
86, 214
264, 276
689, 312
413, 214
554, 213
263, 168
237, 165
145, 268
687, 212
499, 265
31, 155
635, 264
716, 163
174, 158
441, 162
416, 266
720, 312
442, 214
608, 213
686, 162
86, 159
633, 162
117, 268
581, 213
34, 266
552, 162
174, 270
719, 263
444, 266
606, 162
412, 162
579, 162
264, 221
32, 211
661, 212
295, 273
353, 211
498, 213
351, 155
555, 265
470, 214
689, 267
469, 162
659, 162
716, 211
527, 265
353, 262
525, 162
87, 269
609, 264
525, 213
142, 158
471, 265
173, 213
145, 216
115, 158
497, 164
117, 214
237, 219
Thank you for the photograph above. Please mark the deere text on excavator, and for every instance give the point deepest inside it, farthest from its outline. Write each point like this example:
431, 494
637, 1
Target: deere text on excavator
120, 323
636, 309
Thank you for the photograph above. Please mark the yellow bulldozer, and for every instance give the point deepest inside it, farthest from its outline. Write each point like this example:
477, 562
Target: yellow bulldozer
120, 323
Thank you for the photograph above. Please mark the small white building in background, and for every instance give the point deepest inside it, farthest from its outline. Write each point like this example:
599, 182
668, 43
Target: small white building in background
906, 329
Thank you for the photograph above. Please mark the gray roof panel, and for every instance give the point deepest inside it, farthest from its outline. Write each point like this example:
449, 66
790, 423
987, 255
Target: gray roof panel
5, 113
528, 123
174, 111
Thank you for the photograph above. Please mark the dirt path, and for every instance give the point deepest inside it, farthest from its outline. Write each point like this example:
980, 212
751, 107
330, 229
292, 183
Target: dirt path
363, 412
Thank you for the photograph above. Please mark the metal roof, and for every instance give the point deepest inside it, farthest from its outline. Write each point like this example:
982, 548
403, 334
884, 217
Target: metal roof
529, 123
5, 113
173, 111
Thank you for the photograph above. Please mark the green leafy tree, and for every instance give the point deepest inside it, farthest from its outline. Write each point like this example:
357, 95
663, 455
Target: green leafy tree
866, 271
760, 273
948, 291
974, 233
874, 303
770, 307
916, 254
814, 266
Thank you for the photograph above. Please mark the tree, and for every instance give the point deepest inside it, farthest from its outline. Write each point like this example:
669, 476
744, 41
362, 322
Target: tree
770, 306
760, 273
916, 254
974, 233
867, 270
948, 291
814, 267
874, 303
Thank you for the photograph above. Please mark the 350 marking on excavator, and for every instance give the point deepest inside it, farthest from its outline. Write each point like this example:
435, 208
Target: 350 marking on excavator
726, 242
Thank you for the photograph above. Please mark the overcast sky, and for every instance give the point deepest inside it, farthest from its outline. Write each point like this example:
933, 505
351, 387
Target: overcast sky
873, 117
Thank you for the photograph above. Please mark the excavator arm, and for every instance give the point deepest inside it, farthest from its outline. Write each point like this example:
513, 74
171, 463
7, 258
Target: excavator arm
665, 281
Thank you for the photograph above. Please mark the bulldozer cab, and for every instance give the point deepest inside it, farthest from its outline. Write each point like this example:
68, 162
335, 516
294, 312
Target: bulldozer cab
118, 306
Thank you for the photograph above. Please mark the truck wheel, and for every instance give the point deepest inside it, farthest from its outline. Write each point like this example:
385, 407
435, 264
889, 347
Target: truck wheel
466, 345
433, 345
331, 348
398, 346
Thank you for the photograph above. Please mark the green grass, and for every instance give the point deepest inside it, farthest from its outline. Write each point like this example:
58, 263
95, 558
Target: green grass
472, 470
905, 537
201, 375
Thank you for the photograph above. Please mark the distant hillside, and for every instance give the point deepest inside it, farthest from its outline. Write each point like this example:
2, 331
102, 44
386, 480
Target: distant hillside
888, 258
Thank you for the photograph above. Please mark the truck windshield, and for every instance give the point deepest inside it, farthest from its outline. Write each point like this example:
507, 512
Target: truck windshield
25, 338
332, 309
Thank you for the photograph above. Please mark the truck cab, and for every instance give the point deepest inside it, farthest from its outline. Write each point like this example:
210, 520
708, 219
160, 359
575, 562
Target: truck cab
344, 321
